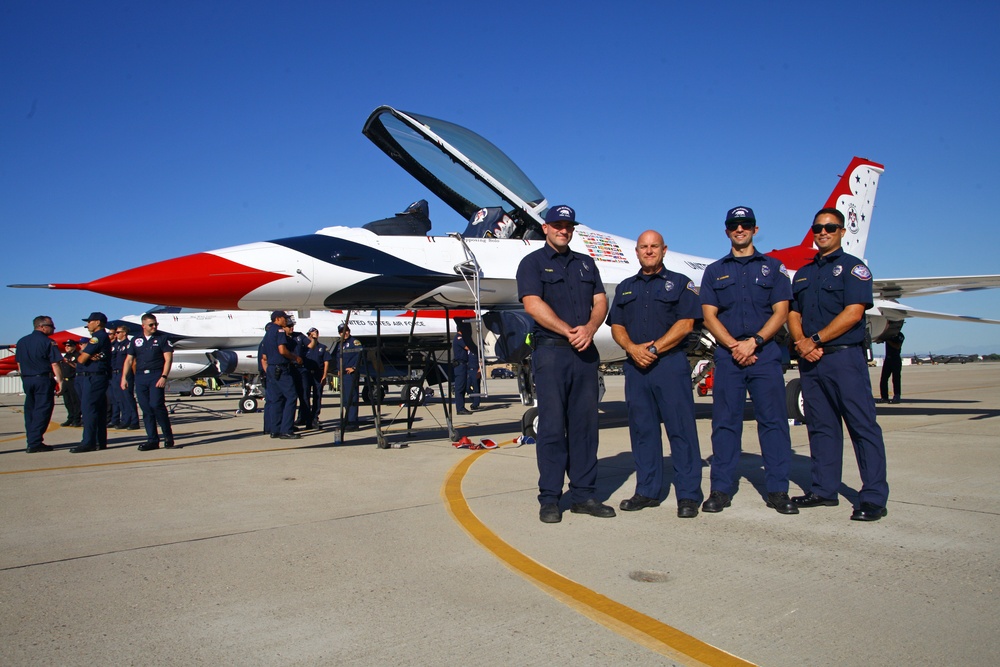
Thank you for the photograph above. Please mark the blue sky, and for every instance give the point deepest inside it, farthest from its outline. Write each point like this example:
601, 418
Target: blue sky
132, 132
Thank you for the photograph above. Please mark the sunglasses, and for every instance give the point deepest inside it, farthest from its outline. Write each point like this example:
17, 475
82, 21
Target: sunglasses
733, 225
829, 227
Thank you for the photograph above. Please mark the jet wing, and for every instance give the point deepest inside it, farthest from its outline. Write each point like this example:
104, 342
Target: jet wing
463, 169
895, 288
893, 310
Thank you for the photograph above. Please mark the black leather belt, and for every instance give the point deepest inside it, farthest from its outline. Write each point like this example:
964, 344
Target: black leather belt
94, 373
37, 375
552, 342
838, 348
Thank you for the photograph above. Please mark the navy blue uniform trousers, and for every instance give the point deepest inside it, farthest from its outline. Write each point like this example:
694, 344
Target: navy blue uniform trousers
39, 402
152, 400
281, 396
93, 391
461, 385
662, 394
566, 384
765, 382
836, 388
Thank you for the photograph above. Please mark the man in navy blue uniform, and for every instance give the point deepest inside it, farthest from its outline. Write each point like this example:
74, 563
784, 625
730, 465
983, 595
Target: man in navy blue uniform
563, 293
70, 398
475, 378
93, 373
317, 361
280, 390
651, 317
153, 353
124, 413
744, 299
460, 359
298, 344
348, 360
41, 376
827, 324
892, 366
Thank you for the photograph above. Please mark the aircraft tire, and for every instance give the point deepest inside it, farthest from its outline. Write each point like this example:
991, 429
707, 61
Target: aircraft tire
197, 390
529, 422
248, 404
793, 400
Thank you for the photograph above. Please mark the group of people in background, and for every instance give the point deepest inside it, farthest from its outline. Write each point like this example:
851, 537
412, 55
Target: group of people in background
296, 366
99, 379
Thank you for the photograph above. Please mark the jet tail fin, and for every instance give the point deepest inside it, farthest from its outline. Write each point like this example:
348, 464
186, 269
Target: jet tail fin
854, 196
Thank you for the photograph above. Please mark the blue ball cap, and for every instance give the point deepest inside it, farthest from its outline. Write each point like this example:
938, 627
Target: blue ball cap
561, 213
741, 213
100, 317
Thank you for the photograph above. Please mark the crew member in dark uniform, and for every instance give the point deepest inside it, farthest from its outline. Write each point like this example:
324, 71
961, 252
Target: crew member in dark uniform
475, 378
124, 413
892, 366
93, 373
70, 398
827, 324
317, 361
744, 299
651, 317
280, 391
41, 377
563, 292
153, 353
460, 361
348, 362
298, 344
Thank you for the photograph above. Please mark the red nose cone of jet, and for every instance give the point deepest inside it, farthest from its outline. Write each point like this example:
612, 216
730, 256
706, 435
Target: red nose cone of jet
196, 281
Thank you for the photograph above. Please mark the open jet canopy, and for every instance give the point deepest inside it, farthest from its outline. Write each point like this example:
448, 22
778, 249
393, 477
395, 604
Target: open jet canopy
463, 169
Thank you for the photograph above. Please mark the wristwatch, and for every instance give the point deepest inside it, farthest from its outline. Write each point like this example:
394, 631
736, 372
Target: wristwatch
758, 339
815, 338
652, 350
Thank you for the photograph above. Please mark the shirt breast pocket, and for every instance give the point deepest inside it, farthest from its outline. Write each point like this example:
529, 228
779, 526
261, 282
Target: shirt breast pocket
762, 291
553, 285
725, 292
833, 293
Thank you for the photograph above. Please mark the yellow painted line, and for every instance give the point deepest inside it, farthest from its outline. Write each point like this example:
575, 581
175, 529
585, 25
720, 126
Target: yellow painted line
624, 620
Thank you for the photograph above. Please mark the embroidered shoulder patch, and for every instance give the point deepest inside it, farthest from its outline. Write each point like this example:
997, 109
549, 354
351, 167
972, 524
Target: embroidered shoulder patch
861, 271
784, 271
691, 286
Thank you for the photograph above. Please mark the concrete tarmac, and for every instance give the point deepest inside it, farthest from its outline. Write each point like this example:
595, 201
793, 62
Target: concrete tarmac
240, 549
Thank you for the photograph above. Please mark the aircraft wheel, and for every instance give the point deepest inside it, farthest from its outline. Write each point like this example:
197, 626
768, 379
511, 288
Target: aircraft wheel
529, 422
248, 405
793, 401
702, 390
197, 390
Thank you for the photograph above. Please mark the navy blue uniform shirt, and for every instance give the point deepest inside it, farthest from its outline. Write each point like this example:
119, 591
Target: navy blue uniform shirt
119, 351
315, 358
647, 306
827, 285
298, 343
273, 337
349, 352
458, 351
36, 353
148, 353
744, 289
567, 283
98, 346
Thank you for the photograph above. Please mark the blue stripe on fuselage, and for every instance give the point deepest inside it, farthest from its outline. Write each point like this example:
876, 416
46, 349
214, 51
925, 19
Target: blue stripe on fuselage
355, 256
